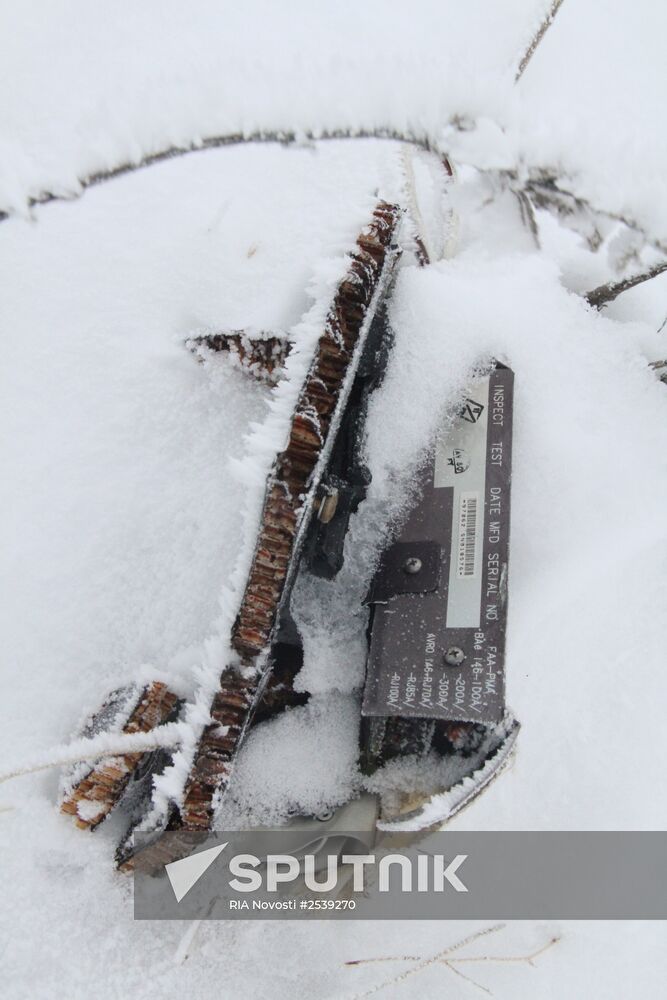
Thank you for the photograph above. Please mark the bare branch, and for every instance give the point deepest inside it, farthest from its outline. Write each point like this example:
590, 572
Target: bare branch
542, 187
411, 971
101, 746
493, 929
448, 958
424, 256
545, 190
285, 138
604, 294
468, 979
537, 37
529, 959
527, 215
659, 366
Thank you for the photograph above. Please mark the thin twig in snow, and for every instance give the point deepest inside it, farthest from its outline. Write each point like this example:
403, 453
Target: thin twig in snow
657, 365
417, 958
287, 137
103, 745
403, 975
546, 190
184, 945
528, 959
447, 957
537, 38
603, 294
425, 963
544, 179
424, 253
468, 979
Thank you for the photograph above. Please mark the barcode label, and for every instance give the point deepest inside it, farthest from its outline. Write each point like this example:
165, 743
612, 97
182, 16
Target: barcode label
468, 519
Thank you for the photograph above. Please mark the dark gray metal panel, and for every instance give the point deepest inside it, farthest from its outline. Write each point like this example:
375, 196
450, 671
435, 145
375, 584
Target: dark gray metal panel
407, 568
441, 654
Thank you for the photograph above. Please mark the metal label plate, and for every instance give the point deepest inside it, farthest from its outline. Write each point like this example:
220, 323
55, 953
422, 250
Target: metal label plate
441, 654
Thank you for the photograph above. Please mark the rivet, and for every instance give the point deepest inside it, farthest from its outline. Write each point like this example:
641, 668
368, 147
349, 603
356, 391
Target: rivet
454, 656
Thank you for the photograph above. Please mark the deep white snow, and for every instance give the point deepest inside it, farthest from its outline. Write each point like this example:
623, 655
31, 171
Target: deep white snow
134, 475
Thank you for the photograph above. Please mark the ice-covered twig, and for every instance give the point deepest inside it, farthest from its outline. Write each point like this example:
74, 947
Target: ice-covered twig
545, 189
285, 138
660, 366
493, 929
424, 254
424, 963
543, 186
537, 37
603, 294
184, 945
447, 957
529, 959
103, 745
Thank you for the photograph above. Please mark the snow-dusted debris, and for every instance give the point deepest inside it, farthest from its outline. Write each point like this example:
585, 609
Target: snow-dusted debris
133, 474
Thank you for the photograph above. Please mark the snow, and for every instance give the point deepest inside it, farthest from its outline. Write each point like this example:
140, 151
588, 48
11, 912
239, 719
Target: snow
104, 744
591, 103
271, 783
584, 589
86, 98
129, 440
134, 474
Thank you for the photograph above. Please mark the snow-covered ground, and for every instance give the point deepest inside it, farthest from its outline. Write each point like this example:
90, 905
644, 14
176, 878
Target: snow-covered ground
133, 474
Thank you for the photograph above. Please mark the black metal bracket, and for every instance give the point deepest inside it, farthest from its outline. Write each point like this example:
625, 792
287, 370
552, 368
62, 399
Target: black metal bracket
347, 474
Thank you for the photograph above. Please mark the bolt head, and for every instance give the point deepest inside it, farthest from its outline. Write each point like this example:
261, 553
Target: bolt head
327, 507
454, 656
412, 565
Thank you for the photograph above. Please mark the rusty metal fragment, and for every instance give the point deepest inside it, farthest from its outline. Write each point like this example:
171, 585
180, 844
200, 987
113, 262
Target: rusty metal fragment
287, 508
93, 797
260, 355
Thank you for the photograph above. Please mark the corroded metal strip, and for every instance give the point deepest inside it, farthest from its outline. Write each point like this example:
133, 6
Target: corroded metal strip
93, 797
284, 502
278, 695
262, 356
429, 810
287, 504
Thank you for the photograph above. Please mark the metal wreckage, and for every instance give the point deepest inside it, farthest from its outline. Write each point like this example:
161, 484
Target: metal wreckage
438, 602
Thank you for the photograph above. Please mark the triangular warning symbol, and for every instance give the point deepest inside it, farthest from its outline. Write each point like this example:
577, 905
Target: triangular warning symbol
184, 873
